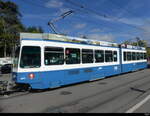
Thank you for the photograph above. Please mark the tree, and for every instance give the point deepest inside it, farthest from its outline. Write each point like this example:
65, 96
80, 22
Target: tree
139, 42
34, 29
127, 42
148, 52
10, 25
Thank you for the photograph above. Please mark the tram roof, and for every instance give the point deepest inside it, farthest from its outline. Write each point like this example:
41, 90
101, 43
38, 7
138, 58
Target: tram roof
64, 38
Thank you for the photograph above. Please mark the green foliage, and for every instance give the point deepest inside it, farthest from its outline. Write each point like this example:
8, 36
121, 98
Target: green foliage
126, 42
11, 26
34, 29
139, 42
148, 52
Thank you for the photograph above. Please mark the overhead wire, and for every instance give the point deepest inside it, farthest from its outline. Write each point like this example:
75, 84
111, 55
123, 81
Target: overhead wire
131, 13
68, 6
78, 7
87, 9
102, 15
125, 10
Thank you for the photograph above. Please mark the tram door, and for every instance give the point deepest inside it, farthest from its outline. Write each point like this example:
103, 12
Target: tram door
98, 72
73, 73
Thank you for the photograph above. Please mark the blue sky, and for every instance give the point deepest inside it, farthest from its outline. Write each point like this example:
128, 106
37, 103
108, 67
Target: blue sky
108, 20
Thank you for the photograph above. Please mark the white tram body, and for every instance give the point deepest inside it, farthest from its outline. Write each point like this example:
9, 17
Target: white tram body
49, 60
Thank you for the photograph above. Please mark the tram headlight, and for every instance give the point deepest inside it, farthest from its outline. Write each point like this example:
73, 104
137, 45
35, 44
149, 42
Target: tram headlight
31, 75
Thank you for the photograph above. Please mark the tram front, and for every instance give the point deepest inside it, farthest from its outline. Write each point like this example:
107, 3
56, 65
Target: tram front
26, 66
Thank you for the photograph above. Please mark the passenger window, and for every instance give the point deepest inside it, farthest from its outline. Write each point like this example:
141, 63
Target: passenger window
129, 58
108, 56
133, 56
115, 56
53, 56
138, 56
99, 56
125, 56
72, 56
141, 56
87, 56
30, 57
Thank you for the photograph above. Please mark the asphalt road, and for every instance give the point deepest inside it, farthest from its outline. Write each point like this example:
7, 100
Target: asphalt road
125, 93
5, 77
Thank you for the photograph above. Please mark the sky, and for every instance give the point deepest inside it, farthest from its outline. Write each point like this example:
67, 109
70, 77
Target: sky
107, 20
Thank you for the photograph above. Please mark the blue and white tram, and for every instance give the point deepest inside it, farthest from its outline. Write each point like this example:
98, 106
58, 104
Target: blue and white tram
133, 59
48, 61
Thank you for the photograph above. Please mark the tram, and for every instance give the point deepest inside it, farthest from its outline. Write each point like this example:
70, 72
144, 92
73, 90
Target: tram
49, 60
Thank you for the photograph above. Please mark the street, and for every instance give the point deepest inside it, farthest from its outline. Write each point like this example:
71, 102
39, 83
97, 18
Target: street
124, 93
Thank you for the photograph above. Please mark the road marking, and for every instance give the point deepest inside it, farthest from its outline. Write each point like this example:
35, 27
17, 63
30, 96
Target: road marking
131, 110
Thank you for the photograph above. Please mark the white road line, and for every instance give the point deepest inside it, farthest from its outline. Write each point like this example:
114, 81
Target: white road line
131, 110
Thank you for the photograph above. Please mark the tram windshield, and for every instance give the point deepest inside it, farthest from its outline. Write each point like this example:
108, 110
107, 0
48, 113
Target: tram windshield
16, 58
30, 57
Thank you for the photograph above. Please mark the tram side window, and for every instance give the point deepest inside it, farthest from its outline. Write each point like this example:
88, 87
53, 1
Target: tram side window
129, 56
138, 55
53, 56
99, 56
115, 56
30, 57
141, 56
125, 56
133, 56
87, 56
72, 56
108, 56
